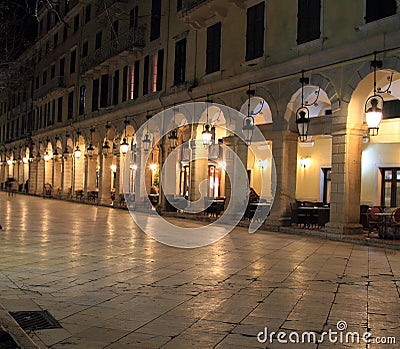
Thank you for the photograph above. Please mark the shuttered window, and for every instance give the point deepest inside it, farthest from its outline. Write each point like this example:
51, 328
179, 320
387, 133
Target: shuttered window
378, 9
255, 31
308, 20
180, 61
213, 54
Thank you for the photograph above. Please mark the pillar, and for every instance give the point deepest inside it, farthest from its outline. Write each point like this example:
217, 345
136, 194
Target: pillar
105, 180
345, 182
284, 151
57, 176
198, 169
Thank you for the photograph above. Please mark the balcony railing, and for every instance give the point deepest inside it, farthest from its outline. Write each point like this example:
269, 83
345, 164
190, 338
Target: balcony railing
53, 85
106, 4
134, 38
188, 5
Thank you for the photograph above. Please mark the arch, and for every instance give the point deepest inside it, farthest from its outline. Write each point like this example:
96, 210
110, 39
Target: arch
360, 87
259, 110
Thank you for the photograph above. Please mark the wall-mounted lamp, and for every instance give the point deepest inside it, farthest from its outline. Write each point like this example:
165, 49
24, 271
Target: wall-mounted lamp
305, 162
133, 167
9, 162
113, 168
25, 160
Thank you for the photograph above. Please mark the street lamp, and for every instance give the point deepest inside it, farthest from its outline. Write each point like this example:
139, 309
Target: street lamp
248, 121
374, 104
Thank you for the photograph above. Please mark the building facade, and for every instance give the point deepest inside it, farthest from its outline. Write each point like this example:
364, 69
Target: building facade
99, 69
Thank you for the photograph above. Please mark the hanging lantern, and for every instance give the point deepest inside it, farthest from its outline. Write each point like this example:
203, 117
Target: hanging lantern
303, 122
173, 139
206, 135
77, 152
90, 150
106, 148
46, 156
146, 142
124, 146
248, 129
373, 113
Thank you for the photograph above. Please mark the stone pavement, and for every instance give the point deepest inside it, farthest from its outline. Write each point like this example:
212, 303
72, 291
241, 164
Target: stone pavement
110, 286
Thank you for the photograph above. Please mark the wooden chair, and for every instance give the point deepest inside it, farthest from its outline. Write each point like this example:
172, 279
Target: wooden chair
375, 222
395, 223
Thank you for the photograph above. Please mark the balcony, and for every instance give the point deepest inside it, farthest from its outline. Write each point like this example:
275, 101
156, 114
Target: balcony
197, 12
126, 42
107, 4
53, 86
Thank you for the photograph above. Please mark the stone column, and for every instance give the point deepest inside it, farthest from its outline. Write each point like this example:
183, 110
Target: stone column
239, 147
40, 176
118, 171
164, 151
57, 175
198, 169
345, 182
105, 180
90, 173
67, 176
284, 151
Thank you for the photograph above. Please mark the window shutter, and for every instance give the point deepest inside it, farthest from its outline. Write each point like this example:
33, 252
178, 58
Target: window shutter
136, 80
213, 53
160, 65
116, 87
124, 83
146, 76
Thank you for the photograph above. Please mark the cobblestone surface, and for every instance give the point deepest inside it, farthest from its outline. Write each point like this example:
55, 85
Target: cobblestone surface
110, 286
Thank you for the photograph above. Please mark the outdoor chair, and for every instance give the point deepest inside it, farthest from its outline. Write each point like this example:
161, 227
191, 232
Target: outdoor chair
395, 223
47, 188
375, 222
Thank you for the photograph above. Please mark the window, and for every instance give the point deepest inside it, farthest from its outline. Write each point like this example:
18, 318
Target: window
60, 109
48, 21
47, 47
308, 20
53, 71
133, 80
98, 40
55, 40
72, 62
62, 66
44, 77
391, 109
180, 61
133, 17
378, 9
213, 53
114, 30
115, 87
153, 72
95, 95
37, 83
155, 19
179, 5
65, 33
104, 91
40, 26
70, 114
124, 83
53, 111
85, 49
82, 99
255, 31
326, 195
88, 11
76, 23
66, 6
40, 55
390, 190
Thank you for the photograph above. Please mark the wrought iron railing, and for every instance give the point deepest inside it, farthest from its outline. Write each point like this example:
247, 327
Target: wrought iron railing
134, 38
52, 85
188, 5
